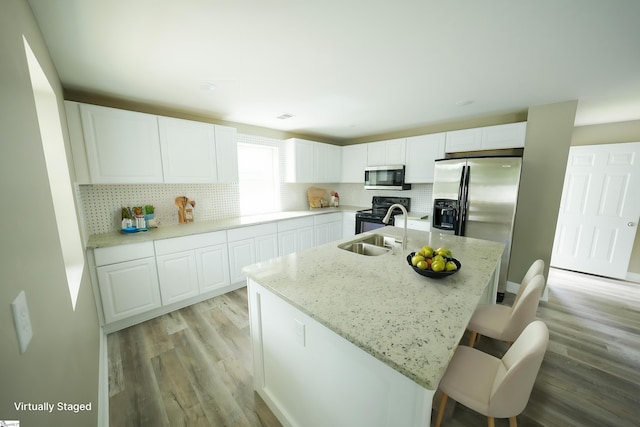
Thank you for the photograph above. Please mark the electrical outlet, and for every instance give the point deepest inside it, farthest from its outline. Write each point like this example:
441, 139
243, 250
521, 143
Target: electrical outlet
22, 321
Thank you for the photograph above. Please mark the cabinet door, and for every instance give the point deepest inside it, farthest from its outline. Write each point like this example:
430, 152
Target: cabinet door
327, 233
128, 288
241, 254
322, 234
299, 155
227, 153
335, 231
395, 150
321, 162
123, 147
376, 154
348, 224
266, 247
504, 136
463, 140
306, 238
178, 276
354, 160
212, 264
188, 151
287, 242
334, 163
422, 152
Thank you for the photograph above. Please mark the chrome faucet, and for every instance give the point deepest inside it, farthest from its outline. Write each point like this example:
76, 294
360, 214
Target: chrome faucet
388, 216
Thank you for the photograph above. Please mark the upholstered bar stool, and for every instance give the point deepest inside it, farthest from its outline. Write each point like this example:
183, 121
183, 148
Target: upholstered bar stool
507, 322
496, 388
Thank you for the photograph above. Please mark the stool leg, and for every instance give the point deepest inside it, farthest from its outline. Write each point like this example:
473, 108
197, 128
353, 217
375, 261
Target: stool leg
491, 422
443, 403
513, 422
472, 340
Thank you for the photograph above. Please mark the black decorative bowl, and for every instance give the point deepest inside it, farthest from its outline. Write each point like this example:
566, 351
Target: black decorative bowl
434, 274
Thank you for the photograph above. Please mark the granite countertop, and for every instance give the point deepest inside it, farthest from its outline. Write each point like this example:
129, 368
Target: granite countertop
409, 322
116, 238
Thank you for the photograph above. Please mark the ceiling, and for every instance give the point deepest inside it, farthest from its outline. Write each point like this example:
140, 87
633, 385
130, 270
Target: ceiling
350, 69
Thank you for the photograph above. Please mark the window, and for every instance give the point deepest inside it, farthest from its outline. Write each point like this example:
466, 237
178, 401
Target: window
58, 171
259, 179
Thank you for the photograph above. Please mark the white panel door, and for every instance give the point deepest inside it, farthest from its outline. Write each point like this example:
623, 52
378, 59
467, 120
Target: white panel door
599, 210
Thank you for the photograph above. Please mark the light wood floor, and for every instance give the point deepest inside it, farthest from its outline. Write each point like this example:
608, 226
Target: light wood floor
193, 367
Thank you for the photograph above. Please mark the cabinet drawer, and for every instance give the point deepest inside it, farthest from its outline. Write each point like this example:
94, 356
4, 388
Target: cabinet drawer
122, 253
179, 244
242, 233
325, 218
293, 224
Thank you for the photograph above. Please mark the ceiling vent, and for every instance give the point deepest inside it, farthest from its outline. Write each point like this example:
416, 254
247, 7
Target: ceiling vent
284, 116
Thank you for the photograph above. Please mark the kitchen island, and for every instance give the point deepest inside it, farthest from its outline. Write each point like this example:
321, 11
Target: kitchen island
341, 338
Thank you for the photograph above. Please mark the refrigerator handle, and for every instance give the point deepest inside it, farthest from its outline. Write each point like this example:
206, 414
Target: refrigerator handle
459, 210
464, 196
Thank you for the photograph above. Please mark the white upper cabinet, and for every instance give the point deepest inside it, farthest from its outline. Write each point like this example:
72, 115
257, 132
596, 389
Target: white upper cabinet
227, 153
310, 161
188, 151
464, 140
504, 136
354, 160
421, 153
122, 147
497, 137
299, 154
112, 146
327, 163
389, 152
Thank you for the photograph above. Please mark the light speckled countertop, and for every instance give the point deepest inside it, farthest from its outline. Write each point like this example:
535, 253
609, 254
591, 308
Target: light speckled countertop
410, 322
166, 232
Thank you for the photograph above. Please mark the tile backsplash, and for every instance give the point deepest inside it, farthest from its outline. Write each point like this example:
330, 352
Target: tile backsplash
100, 205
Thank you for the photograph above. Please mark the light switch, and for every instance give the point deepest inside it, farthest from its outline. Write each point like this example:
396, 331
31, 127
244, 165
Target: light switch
22, 321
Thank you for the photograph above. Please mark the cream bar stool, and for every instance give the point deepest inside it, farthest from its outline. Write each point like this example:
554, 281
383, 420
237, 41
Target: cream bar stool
503, 322
496, 388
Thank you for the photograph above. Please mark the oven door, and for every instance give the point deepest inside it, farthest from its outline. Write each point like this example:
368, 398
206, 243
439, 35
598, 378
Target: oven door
366, 223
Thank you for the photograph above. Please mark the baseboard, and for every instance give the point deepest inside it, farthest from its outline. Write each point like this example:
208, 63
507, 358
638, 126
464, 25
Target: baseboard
515, 287
633, 277
103, 382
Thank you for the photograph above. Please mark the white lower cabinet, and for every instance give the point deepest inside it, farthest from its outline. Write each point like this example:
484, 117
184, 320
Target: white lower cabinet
348, 224
177, 276
128, 288
191, 265
212, 264
248, 245
328, 228
295, 235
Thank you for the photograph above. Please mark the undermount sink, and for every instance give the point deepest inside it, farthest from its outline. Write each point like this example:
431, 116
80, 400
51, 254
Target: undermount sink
371, 245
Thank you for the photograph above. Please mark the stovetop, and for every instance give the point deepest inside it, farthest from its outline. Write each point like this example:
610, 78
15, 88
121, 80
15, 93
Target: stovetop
380, 205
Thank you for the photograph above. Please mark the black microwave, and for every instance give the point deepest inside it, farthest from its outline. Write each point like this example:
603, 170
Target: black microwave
385, 178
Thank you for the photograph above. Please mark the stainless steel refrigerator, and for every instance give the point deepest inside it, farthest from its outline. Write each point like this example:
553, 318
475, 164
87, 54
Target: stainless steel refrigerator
476, 197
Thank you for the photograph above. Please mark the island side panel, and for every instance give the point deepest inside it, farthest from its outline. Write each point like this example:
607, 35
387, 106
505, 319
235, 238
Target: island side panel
310, 376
